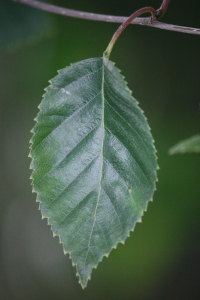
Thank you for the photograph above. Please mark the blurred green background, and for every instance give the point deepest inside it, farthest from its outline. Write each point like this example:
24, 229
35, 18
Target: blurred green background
161, 258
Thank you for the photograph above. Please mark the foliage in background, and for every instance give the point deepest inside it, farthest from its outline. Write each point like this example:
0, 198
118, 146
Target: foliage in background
189, 145
21, 24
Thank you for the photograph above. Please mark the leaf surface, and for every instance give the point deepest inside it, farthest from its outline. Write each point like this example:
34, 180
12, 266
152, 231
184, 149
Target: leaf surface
93, 160
189, 145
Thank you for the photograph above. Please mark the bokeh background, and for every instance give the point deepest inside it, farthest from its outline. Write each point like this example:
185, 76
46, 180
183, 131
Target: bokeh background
161, 258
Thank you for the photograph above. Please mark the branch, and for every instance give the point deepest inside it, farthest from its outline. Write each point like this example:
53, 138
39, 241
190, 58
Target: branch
106, 18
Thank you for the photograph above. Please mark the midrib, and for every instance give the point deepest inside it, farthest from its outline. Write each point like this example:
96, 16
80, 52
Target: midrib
101, 159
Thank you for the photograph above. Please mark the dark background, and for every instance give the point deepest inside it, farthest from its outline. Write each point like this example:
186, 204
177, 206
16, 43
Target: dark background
161, 258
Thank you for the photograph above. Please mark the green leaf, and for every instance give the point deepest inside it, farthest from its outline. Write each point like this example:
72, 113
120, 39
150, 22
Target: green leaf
93, 160
189, 145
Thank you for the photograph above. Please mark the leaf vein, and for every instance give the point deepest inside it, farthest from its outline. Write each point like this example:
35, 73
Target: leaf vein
102, 233
60, 161
67, 119
129, 154
120, 222
74, 208
77, 231
75, 81
123, 117
128, 124
106, 161
101, 164
82, 171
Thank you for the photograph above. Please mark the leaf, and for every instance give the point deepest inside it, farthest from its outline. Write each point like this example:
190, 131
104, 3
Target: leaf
19, 24
189, 145
93, 160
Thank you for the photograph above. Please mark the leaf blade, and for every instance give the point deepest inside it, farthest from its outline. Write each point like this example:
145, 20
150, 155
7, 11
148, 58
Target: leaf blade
189, 145
93, 160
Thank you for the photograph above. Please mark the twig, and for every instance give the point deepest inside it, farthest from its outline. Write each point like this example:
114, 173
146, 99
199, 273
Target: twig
106, 18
